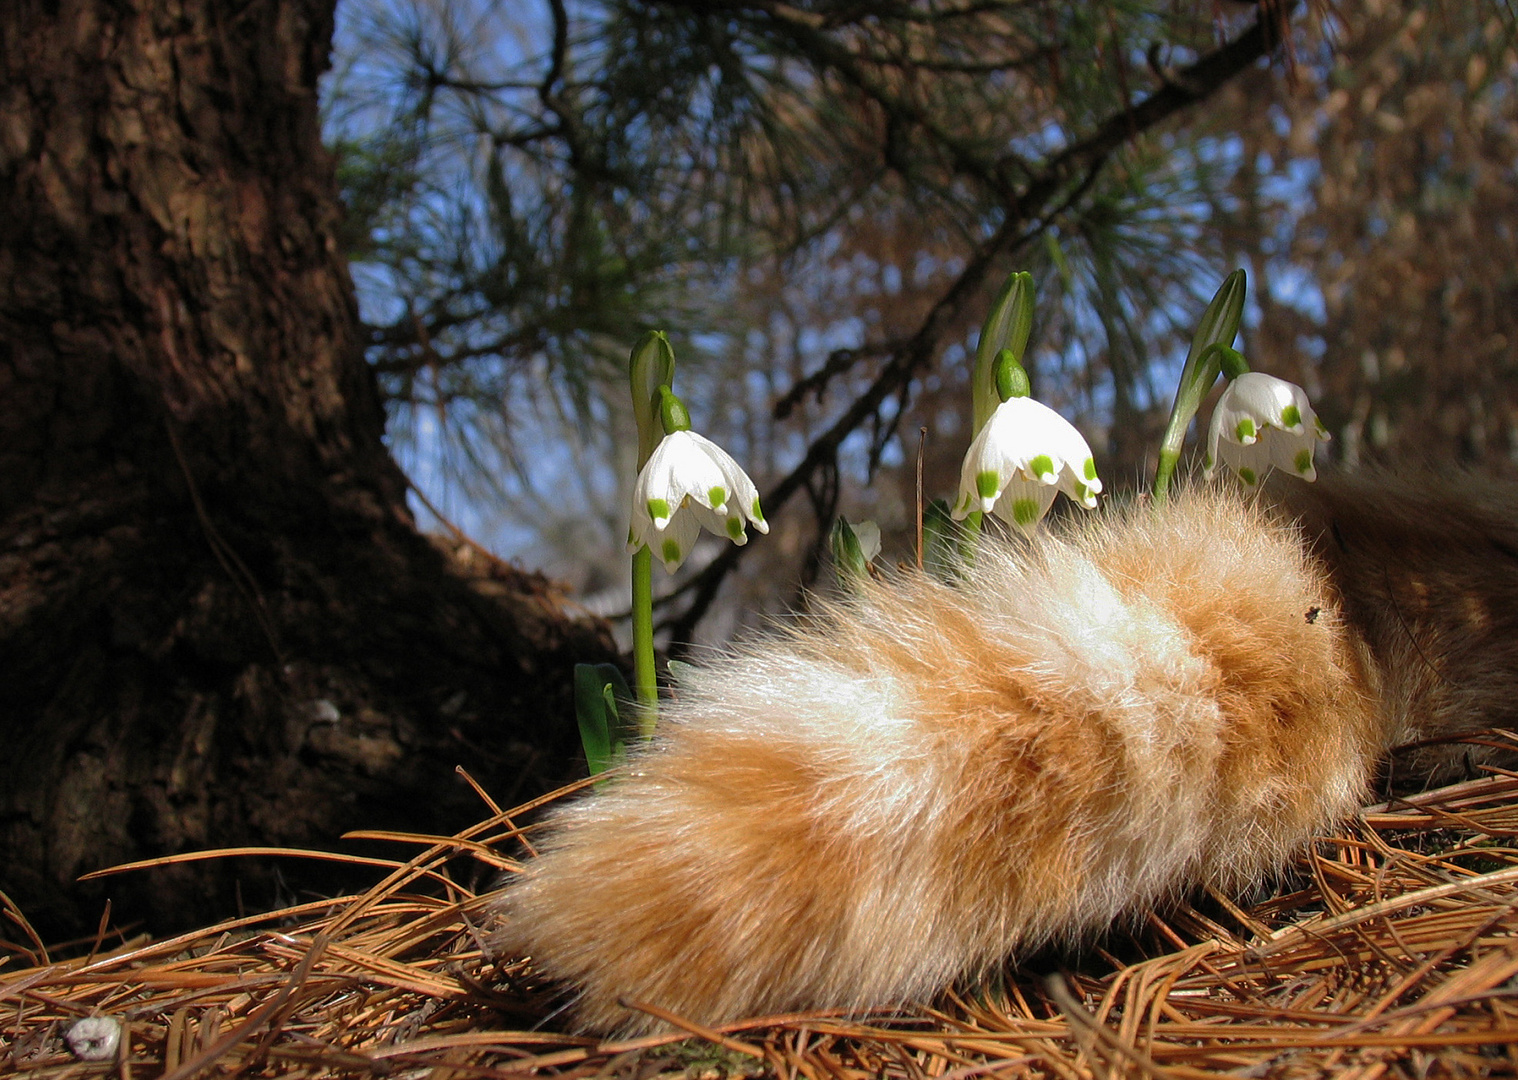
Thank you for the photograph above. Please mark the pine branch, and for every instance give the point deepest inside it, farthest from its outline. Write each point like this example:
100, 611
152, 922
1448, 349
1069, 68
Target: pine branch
1062, 182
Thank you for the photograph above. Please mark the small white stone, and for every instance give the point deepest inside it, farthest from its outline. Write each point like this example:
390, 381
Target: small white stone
323, 711
94, 1038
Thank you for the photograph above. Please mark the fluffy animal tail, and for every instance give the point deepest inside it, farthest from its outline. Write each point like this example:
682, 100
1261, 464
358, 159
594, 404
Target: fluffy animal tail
908, 787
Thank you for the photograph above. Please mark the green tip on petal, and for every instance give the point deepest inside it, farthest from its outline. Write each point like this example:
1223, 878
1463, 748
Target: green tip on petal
755, 514
986, 484
1304, 461
1089, 469
1245, 431
658, 509
735, 528
718, 496
671, 553
1247, 475
1025, 512
1291, 416
1042, 467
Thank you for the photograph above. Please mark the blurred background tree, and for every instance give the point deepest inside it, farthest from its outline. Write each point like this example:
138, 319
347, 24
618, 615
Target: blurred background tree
817, 200
1376, 199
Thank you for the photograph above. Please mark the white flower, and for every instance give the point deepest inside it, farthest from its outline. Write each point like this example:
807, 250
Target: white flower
690, 481
1262, 422
1022, 456
868, 535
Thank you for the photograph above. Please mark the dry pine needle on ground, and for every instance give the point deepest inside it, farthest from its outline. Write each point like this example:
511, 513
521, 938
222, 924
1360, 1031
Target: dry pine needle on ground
1393, 952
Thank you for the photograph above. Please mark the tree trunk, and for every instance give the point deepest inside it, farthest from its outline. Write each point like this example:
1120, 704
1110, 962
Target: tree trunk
218, 624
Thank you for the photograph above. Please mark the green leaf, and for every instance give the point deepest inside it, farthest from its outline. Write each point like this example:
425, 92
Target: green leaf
1214, 334
602, 701
945, 543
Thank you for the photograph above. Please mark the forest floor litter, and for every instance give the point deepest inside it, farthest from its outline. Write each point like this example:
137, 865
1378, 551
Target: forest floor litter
1390, 950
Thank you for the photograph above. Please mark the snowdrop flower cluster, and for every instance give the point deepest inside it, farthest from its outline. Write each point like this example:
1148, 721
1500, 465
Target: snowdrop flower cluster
688, 483
1023, 455
1262, 422
1023, 451
685, 481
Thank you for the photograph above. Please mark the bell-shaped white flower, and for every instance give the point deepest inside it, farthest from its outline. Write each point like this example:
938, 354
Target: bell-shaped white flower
1262, 422
690, 482
1024, 454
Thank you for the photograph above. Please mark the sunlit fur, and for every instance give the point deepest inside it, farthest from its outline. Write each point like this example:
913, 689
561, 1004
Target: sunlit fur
917, 783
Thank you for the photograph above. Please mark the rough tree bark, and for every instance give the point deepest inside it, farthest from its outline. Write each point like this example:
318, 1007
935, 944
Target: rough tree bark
218, 624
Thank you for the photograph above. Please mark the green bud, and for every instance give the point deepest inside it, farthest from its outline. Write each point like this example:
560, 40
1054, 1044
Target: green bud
672, 412
1011, 379
651, 366
1006, 328
848, 557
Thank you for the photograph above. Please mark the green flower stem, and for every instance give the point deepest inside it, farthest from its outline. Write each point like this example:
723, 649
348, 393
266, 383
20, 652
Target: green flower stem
970, 536
645, 675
